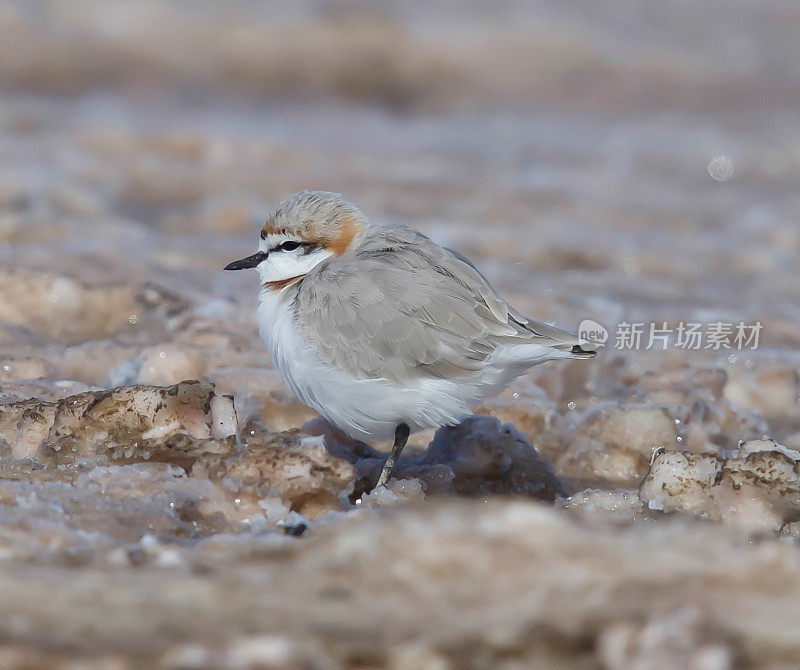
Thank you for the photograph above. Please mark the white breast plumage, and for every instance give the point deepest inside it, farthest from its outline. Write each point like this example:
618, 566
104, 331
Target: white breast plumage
366, 409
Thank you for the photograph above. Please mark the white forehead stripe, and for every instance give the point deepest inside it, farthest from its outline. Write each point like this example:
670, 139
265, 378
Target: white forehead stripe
273, 240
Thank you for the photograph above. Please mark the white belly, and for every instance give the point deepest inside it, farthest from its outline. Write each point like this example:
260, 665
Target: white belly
371, 409
364, 408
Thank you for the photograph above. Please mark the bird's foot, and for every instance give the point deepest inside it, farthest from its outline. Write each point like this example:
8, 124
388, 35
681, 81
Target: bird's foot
401, 434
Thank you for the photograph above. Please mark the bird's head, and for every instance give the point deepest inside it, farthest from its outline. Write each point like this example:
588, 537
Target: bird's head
301, 232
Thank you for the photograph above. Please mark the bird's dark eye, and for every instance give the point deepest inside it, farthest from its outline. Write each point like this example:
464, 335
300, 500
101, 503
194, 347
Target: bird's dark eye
289, 245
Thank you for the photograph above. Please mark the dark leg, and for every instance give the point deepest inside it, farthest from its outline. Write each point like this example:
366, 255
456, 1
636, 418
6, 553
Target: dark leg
400, 438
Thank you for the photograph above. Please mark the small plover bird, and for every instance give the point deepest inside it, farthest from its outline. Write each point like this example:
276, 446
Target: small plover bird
381, 330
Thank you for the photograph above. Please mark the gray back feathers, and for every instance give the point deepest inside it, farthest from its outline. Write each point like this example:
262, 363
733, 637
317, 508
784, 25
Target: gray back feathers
398, 306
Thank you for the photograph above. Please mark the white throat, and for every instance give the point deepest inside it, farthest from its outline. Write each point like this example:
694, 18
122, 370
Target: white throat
282, 265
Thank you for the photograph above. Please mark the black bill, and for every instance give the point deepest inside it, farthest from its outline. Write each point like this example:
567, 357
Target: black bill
249, 262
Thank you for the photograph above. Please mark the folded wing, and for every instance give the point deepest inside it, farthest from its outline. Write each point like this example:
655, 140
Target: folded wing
400, 307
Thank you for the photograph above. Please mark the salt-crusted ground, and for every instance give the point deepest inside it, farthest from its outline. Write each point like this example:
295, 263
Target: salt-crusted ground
165, 502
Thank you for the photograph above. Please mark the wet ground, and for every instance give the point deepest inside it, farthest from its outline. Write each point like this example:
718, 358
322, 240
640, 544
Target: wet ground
608, 162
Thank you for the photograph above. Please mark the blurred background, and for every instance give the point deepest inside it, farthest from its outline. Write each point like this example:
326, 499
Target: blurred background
619, 161
575, 140
616, 161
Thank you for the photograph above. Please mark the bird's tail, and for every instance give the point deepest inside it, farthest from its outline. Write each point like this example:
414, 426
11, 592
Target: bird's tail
570, 345
583, 350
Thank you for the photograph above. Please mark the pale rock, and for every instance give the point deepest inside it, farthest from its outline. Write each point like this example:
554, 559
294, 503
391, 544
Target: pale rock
24, 427
112, 424
680, 481
223, 416
755, 488
766, 444
299, 471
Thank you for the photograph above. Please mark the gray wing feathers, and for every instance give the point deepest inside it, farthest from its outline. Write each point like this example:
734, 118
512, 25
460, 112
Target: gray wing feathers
400, 307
